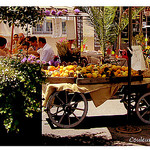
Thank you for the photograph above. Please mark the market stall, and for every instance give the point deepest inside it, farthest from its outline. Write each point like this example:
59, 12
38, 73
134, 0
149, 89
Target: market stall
69, 88
67, 97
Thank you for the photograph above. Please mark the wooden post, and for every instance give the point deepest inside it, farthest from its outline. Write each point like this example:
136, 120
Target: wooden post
12, 33
76, 31
129, 63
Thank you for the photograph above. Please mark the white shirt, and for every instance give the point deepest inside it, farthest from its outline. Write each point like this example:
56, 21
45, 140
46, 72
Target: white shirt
46, 53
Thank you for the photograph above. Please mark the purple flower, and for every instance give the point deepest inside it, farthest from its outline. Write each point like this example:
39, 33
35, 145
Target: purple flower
47, 12
32, 61
77, 11
53, 12
59, 13
38, 61
23, 60
43, 62
29, 59
33, 57
66, 10
51, 62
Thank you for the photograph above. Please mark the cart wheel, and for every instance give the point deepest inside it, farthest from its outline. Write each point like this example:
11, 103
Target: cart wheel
67, 110
143, 108
133, 100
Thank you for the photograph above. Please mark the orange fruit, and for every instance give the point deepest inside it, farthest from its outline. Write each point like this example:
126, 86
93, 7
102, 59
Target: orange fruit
89, 75
70, 67
51, 68
65, 74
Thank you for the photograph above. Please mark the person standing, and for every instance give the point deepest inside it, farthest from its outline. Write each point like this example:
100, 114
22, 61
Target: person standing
46, 52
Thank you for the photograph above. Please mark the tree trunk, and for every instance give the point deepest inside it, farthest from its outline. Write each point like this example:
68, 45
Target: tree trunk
12, 33
119, 33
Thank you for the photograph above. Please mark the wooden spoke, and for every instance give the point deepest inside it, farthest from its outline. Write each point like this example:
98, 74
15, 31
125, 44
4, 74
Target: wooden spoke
66, 97
75, 115
60, 99
72, 98
77, 108
146, 102
144, 113
58, 111
62, 117
69, 120
75, 103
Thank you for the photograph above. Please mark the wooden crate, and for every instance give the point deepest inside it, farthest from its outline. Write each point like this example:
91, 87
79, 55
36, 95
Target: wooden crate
57, 80
83, 81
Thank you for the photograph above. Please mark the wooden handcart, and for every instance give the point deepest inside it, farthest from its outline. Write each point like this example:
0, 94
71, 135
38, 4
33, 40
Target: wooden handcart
67, 103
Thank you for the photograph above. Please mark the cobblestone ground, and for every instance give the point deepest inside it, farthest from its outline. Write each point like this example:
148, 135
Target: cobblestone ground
51, 140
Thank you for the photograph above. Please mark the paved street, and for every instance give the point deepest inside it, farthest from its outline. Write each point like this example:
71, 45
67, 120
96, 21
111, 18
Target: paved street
102, 122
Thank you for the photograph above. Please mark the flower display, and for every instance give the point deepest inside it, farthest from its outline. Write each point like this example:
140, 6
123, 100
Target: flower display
53, 12
24, 79
65, 11
59, 13
47, 12
76, 11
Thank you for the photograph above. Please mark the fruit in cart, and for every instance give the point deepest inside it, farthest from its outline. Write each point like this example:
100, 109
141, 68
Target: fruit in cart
83, 70
94, 75
89, 75
104, 76
89, 68
65, 75
51, 68
79, 68
70, 67
90, 71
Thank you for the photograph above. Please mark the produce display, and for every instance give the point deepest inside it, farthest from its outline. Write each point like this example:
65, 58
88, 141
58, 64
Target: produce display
90, 71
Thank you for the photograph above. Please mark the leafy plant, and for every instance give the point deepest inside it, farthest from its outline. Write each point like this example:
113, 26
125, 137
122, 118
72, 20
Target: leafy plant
21, 16
20, 91
106, 23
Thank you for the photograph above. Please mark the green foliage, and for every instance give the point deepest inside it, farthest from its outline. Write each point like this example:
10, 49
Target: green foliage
20, 91
102, 19
106, 24
21, 16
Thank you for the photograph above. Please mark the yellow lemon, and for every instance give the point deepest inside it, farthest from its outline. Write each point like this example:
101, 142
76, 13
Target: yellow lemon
94, 75
104, 76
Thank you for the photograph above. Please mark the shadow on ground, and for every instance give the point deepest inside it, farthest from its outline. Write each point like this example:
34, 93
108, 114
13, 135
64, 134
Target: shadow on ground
112, 122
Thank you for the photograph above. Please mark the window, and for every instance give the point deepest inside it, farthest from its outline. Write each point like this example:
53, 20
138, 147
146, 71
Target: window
48, 27
39, 28
63, 27
44, 28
